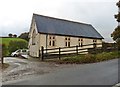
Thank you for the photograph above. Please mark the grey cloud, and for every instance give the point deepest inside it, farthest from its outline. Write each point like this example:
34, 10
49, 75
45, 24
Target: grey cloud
99, 14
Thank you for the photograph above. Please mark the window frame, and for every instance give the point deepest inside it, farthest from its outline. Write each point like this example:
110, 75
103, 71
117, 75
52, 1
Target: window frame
52, 40
80, 42
67, 41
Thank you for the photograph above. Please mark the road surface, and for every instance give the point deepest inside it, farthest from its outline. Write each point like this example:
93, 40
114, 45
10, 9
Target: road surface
104, 73
0, 77
20, 68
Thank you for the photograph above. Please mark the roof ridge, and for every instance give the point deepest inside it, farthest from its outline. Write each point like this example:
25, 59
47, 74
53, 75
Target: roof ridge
62, 19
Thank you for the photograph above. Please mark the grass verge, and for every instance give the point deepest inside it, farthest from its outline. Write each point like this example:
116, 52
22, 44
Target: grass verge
6, 41
88, 58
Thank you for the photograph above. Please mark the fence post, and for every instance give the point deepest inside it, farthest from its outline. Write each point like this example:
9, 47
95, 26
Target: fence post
42, 53
39, 54
77, 49
59, 52
94, 47
114, 46
2, 59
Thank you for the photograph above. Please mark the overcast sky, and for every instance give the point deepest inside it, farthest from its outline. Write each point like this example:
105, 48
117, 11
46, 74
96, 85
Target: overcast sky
16, 15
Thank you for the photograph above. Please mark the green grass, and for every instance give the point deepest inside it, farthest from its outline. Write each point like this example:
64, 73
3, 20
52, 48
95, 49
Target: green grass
107, 56
7, 40
89, 58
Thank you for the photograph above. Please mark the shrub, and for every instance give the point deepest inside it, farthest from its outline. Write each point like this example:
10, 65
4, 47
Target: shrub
71, 60
118, 54
24, 36
15, 45
106, 56
90, 58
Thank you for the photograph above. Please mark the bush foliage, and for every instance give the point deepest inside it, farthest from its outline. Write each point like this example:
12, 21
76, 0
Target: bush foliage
24, 36
15, 45
90, 58
12, 44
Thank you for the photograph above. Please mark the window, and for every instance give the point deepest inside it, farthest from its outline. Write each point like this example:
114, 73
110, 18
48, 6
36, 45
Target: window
68, 44
51, 40
80, 42
94, 41
24, 50
50, 43
18, 51
67, 41
53, 37
65, 38
53, 44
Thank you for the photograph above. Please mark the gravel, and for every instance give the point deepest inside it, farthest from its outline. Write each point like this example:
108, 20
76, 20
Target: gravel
25, 68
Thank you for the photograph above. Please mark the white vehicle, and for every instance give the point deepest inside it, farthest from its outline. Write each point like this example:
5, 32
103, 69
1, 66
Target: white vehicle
20, 52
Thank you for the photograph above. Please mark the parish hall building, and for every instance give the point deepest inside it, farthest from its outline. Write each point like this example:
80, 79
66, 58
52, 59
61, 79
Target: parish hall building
52, 32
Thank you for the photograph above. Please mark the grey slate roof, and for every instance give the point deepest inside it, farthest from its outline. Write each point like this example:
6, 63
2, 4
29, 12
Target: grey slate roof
64, 27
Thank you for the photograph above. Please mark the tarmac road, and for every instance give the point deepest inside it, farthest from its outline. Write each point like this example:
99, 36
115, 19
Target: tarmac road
103, 73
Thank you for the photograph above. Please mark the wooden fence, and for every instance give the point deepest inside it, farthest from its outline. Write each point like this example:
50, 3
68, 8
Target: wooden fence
67, 51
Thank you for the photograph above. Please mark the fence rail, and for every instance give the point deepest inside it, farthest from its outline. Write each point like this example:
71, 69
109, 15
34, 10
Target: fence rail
66, 51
